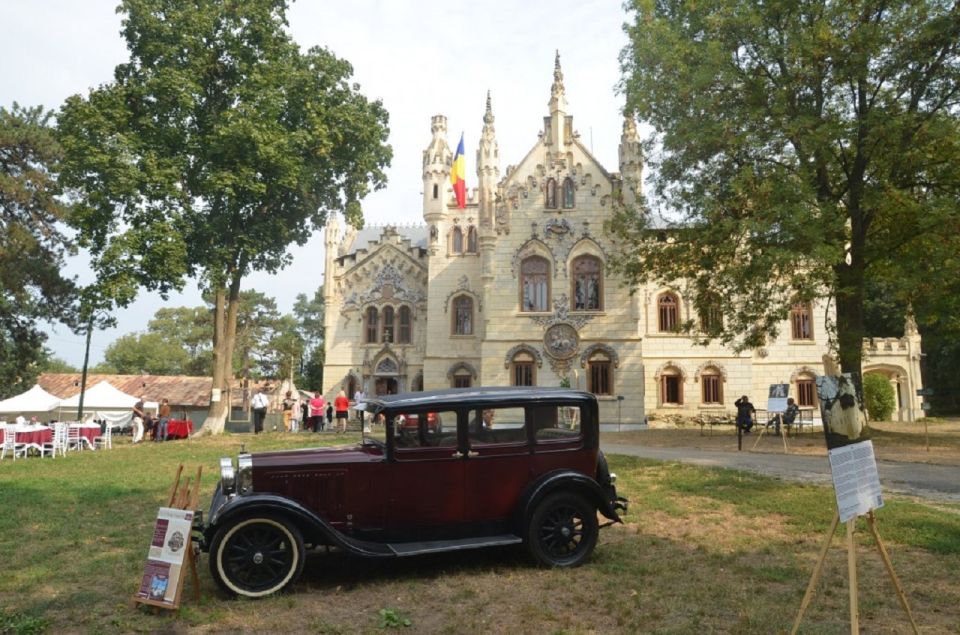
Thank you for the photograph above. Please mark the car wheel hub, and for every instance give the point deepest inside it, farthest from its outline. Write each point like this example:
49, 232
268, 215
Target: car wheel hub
258, 558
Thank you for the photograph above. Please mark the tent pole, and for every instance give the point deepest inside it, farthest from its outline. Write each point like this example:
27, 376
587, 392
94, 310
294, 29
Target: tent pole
83, 376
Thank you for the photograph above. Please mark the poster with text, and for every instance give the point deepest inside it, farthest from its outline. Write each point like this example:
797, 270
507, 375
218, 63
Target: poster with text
161, 575
856, 481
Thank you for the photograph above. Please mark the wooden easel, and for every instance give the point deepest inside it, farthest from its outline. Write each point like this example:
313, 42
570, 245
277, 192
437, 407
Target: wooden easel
852, 573
763, 429
181, 497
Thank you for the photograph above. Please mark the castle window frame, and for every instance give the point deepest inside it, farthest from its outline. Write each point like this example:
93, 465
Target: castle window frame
569, 197
404, 329
551, 194
711, 387
387, 328
801, 321
462, 379
600, 374
586, 292
671, 387
534, 284
436, 191
462, 314
806, 391
523, 370
668, 312
456, 241
372, 325
472, 240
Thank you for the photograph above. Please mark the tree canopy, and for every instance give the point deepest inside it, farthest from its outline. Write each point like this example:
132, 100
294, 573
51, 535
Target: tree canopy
217, 146
801, 150
32, 245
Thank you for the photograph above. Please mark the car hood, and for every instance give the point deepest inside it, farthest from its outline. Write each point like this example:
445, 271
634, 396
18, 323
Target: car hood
335, 455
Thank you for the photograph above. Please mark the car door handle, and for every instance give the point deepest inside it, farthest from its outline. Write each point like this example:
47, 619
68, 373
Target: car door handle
461, 455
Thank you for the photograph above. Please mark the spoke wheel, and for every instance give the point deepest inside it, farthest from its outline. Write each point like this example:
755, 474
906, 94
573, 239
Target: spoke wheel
255, 557
563, 530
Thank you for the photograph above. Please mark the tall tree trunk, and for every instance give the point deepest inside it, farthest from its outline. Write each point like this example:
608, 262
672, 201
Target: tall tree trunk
217, 414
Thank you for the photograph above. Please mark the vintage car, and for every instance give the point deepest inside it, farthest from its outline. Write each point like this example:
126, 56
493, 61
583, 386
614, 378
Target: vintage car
482, 467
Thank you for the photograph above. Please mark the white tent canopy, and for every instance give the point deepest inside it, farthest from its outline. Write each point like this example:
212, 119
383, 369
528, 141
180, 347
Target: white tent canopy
104, 396
35, 400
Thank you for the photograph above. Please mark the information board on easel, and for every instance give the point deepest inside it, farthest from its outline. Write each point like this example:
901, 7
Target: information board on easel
171, 552
856, 484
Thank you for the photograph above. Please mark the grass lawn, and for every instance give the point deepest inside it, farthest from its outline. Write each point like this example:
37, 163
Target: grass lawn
701, 551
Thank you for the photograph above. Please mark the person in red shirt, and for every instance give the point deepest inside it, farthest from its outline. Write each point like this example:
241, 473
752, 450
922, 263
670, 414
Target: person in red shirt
341, 404
316, 412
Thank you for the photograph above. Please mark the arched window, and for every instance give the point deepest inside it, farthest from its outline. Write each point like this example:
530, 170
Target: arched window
671, 387
587, 283
806, 391
372, 325
801, 321
436, 190
462, 315
388, 324
551, 194
534, 284
668, 312
711, 386
403, 333
523, 370
457, 241
462, 379
568, 193
710, 314
600, 374
472, 240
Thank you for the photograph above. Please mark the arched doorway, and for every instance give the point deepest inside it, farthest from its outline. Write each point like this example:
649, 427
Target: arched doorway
385, 385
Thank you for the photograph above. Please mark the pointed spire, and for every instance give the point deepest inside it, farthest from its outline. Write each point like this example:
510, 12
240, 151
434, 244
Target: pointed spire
556, 90
488, 115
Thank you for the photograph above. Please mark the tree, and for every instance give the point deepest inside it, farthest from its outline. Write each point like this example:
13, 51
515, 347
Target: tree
149, 353
218, 145
804, 149
310, 314
191, 329
32, 245
54, 364
878, 397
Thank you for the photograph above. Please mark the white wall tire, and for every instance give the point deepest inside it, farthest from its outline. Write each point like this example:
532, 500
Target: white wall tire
257, 556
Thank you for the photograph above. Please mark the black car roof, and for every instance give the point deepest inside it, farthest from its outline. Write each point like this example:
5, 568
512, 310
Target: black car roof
479, 397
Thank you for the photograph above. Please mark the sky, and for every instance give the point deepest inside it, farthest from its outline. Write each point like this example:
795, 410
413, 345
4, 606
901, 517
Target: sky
420, 62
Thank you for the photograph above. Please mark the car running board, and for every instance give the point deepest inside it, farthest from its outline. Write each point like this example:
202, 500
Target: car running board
436, 546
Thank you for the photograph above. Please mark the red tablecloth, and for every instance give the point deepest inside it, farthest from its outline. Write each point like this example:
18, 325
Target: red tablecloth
179, 428
35, 435
88, 431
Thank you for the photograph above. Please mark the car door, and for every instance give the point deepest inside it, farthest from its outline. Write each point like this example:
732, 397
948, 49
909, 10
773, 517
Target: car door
425, 476
497, 466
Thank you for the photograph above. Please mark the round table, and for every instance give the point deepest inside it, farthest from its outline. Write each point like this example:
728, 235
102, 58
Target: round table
179, 428
33, 436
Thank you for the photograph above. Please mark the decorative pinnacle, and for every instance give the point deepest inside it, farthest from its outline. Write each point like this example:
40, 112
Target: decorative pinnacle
488, 115
557, 88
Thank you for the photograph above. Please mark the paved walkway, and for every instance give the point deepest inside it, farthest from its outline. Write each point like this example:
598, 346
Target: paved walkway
937, 482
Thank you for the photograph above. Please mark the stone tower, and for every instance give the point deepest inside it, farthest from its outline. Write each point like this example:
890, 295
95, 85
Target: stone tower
437, 162
631, 163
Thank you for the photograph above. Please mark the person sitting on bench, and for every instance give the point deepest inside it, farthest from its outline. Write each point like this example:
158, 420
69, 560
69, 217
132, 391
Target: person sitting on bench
745, 413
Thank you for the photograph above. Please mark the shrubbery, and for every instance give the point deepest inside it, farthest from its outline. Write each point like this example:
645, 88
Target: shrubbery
878, 397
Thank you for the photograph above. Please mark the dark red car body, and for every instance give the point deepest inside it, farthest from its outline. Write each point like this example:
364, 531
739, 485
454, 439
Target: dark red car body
440, 480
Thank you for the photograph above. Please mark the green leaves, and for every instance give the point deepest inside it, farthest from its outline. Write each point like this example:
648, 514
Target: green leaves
800, 149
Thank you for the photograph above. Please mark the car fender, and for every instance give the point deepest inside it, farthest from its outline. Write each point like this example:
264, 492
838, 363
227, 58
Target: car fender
563, 480
314, 528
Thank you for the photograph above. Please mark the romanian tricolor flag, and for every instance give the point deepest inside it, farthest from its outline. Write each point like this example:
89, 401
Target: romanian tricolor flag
458, 175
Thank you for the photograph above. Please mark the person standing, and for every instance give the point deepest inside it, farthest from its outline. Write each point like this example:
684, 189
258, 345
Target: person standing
342, 406
137, 421
745, 413
259, 404
316, 412
305, 414
359, 398
287, 406
163, 415
329, 415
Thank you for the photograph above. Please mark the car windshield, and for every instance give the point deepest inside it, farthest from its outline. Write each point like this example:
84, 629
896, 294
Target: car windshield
373, 426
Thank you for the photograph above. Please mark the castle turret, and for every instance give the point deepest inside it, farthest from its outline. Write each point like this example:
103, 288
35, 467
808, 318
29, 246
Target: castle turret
437, 161
631, 163
557, 130
488, 168
331, 241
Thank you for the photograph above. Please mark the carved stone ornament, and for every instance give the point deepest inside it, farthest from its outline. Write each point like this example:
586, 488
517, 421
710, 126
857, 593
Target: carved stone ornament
561, 341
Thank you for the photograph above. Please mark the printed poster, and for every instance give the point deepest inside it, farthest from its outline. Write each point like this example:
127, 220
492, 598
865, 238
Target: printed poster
855, 479
171, 536
777, 397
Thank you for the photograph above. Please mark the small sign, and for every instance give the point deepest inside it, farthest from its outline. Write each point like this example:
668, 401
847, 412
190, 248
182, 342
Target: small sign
924, 392
856, 481
162, 574
926, 405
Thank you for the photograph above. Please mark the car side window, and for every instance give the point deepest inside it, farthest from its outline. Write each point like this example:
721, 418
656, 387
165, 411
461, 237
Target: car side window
497, 425
425, 430
556, 423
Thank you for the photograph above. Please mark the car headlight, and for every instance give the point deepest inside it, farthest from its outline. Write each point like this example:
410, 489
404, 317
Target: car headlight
244, 474
228, 478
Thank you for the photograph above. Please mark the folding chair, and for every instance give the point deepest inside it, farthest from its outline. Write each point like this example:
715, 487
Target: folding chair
74, 440
10, 444
105, 440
